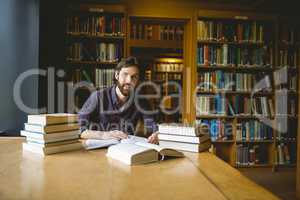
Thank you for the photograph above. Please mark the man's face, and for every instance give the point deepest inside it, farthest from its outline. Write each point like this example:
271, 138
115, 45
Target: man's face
127, 79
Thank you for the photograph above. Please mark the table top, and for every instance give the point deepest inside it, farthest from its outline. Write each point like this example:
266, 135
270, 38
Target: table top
91, 175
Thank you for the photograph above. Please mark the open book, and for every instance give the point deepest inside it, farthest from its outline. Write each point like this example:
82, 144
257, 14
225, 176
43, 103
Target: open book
132, 153
90, 144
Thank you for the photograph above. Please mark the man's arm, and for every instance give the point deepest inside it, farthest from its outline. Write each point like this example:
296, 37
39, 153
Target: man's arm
150, 125
103, 135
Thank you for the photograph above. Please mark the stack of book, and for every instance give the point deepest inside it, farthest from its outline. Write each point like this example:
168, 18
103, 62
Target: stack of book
51, 133
185, 138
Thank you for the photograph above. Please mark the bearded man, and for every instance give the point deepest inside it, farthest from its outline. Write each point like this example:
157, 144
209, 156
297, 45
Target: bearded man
114, 112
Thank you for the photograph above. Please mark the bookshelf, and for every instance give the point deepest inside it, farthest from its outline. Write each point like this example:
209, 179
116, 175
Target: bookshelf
158, 45
286, 84
235, 91
95, 40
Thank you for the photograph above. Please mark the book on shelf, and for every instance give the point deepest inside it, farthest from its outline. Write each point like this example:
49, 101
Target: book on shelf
283, 154
104, 78
217, 30
54, 118
247, 155
132, 152
145, 31
218, 130
103, 25
94, 51
253, 131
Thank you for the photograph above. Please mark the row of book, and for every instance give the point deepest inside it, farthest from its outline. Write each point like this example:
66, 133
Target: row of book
184, 137
285, 105
108, 52
96, 25
209, 30
82, 75
104, 78
100, 78
143, 31
220, 80
237, 105
288, 57
211, 55
286, 129
253, 131
283, 154
285, 79
168, 77
169, 67
102, 52
251, 155
51, 133
219, 130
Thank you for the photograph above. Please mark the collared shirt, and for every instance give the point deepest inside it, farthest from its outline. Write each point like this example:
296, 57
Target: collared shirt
102, 111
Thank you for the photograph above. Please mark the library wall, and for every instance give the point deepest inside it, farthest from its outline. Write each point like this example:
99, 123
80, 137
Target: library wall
19, 30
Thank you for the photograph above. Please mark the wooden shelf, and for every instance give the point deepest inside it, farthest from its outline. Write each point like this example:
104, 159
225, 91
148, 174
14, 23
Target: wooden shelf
214, 117
109, 36
286, 140
255, 141
168, 72
222, 141
91, 63
247, 43
165, 44
229, 92
254, 166
285, 165
234, 68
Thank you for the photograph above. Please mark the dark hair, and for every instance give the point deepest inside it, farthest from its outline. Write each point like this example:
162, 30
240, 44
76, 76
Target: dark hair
130, 61
127, 62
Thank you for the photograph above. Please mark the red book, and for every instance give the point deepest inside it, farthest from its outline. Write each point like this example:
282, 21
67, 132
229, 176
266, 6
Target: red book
206, 55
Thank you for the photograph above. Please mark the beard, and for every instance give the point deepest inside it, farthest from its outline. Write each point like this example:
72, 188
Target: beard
125, 89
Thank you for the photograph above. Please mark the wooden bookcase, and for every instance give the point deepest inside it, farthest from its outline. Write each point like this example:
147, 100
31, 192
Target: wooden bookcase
158, 45
235, 91
95, 40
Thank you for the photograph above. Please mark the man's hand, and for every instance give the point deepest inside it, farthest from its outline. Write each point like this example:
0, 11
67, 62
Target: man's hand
103, 135
153, 138
115, 134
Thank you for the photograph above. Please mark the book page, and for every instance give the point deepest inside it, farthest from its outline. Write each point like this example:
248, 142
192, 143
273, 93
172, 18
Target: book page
149, 145
163, 151
133, 139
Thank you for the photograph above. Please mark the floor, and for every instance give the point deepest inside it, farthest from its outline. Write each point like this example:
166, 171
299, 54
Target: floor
282, 182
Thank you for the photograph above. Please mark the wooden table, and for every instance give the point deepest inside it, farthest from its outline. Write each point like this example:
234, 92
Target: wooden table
91, 175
